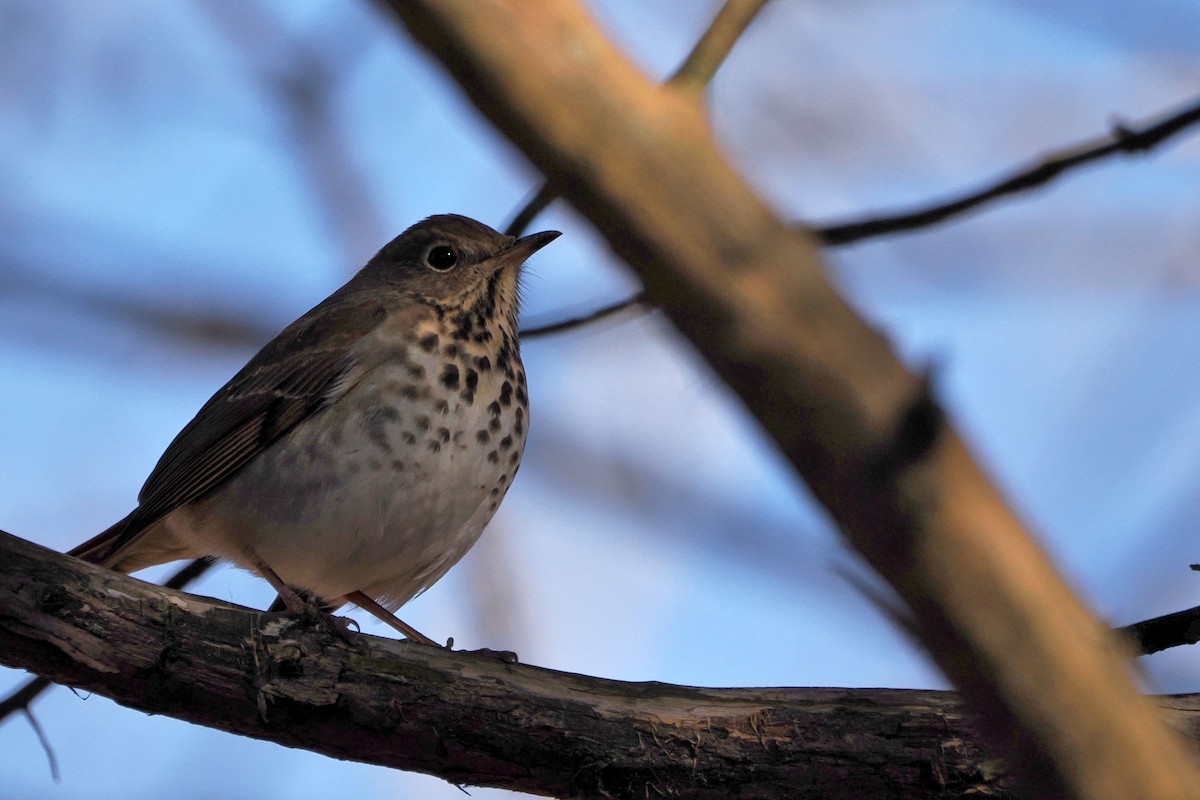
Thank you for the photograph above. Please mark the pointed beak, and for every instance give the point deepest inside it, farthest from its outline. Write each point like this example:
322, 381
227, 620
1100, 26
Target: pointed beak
526, 246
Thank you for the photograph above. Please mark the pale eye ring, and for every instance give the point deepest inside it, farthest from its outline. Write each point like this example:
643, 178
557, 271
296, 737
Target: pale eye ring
441, 257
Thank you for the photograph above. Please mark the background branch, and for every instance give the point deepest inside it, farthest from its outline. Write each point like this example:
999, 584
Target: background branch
1123, 139
695, 73
749, 292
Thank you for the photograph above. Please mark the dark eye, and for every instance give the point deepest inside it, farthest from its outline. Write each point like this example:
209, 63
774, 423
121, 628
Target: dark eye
441, 258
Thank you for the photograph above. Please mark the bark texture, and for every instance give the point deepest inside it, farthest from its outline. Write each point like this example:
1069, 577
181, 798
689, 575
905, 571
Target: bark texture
471, 718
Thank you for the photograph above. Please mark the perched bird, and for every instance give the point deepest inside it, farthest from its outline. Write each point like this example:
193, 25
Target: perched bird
359, 455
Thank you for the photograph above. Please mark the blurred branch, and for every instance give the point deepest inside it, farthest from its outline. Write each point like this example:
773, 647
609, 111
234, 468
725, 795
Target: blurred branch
305, 78
576, 322
195, 326
696, 71
749, 291
1123, 139
710, 52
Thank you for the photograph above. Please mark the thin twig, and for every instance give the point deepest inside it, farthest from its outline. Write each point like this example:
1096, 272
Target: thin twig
698, 69
543, 197
575, 322
1122, 139
41, 735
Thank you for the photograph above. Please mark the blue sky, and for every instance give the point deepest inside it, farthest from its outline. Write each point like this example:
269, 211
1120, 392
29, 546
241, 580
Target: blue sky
236, 162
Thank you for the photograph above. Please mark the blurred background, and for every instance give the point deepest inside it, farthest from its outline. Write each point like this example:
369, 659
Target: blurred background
180, 180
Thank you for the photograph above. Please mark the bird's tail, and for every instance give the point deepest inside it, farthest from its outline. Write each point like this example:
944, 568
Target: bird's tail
99, 548
147, 547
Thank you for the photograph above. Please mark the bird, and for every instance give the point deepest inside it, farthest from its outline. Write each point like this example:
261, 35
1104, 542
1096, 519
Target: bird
361, 452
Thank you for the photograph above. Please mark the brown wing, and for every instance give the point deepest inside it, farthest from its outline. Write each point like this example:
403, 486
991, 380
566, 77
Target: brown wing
286, 382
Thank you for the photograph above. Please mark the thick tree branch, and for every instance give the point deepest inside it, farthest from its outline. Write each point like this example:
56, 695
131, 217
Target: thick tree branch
23, 698
749, 291
470, 718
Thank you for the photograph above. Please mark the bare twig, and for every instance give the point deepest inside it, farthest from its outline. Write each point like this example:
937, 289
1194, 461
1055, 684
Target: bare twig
696, 71
1123, 139
592, 316
535, 205
710, 52
41, 735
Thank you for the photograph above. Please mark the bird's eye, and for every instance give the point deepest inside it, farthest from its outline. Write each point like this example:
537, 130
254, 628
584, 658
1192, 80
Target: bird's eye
441, 258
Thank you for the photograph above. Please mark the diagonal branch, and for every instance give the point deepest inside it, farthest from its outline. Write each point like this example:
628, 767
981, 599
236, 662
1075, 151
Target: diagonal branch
696, 71
749, 291
1123, 139
710, 52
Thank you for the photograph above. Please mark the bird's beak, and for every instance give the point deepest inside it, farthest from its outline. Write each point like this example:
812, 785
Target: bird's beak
523, 248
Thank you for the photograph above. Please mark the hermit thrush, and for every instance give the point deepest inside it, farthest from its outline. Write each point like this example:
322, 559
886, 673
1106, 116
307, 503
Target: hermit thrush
359, 455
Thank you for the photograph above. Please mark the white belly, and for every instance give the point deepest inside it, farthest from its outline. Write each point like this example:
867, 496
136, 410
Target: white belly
380, 492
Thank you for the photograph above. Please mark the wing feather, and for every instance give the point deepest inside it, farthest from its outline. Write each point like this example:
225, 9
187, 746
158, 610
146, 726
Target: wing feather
289, 380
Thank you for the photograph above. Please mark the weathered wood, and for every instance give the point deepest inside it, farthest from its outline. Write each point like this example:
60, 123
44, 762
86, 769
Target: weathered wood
470, 718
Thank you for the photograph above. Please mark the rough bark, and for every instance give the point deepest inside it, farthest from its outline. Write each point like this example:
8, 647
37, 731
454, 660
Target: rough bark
749, 291
466, 717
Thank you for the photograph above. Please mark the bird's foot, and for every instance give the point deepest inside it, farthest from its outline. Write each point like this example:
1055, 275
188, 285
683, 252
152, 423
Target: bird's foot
313, 612
342, 628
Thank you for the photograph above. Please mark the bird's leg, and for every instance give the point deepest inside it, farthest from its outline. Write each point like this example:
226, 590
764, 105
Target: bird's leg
364, 602
292, 600
297, 605
374, 609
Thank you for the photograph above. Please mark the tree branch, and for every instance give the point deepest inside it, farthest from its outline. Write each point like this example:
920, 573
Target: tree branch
465, 717
710, 52
584, 319
749, 291
1123, 139
1167, 631
695, 73
23, 698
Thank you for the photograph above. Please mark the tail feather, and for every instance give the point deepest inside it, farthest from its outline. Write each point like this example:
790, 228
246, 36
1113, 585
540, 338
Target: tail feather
99, 549
149, 547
